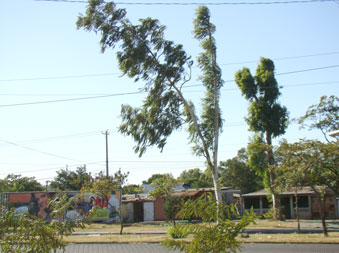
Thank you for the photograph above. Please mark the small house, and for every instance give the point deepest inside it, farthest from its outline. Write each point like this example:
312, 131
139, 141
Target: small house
308, 204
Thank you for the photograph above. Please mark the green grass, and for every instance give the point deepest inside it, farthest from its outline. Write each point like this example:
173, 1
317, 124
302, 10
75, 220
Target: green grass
162, 226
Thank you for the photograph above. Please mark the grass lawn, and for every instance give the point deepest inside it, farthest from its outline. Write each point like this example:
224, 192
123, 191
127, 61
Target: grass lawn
161, 226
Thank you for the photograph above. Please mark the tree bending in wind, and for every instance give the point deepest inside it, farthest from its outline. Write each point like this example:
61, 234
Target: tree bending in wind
145, 55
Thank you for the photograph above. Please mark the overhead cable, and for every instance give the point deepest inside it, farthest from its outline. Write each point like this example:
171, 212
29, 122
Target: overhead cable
200, 3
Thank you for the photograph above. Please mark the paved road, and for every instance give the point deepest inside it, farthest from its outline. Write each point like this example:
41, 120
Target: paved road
157, 248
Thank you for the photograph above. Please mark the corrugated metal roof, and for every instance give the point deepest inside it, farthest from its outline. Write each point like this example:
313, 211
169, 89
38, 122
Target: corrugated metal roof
307, 190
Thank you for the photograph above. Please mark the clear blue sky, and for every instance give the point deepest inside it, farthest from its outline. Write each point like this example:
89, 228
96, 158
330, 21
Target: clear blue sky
43, 57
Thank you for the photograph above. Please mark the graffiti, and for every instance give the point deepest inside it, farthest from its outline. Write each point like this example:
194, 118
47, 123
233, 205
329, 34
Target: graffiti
86, 205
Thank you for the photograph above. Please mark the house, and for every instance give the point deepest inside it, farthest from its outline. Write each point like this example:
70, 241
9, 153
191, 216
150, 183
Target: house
138, 207
143, 207
308, 203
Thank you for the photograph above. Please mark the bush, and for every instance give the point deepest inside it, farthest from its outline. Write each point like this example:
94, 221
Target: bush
269, 215
209, 236
176, 232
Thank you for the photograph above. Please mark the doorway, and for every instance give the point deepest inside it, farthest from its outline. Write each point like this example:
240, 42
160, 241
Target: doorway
286, 207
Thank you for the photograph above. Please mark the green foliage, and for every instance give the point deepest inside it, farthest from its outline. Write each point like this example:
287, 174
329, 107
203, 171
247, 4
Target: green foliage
17, 183
266, 117
71, 180
132, 189
236, 174
176, 232
265, 114
209, 236
103, 186
145, 55
270, 214
195, 178
315, 161
153, 178
164, 187
26, 233
323, 116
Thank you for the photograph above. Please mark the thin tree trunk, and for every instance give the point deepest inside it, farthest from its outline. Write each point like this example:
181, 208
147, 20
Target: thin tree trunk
322, 215
297, 209
321, 209
271, 162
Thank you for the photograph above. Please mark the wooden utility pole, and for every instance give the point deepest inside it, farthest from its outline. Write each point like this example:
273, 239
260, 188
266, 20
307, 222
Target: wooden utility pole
106, 133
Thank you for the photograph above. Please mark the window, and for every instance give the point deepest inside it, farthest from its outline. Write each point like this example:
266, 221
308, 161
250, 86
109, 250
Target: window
252, 202
302, 202
265, 203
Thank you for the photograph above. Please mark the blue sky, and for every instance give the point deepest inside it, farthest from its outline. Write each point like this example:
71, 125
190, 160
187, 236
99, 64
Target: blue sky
43, 57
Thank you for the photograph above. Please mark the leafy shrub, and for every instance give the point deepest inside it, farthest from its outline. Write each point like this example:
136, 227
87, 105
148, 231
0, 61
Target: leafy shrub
177, 231
214, 234
269, 215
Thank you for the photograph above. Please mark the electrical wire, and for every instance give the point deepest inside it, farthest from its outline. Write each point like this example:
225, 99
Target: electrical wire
111, 74
139, 92
200, 3
39, 151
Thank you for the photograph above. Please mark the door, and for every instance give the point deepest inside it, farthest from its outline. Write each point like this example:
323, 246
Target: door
138, 211
286, 207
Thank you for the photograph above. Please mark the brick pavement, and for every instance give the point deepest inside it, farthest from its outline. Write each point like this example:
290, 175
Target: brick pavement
117, 248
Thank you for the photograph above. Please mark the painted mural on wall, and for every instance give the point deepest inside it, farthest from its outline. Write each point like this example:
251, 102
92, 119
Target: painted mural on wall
36, 203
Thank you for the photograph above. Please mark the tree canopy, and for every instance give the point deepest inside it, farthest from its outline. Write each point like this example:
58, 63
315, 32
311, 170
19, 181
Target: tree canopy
323, 116
196, 178
237, 174
145, 55
18, 183
71, 180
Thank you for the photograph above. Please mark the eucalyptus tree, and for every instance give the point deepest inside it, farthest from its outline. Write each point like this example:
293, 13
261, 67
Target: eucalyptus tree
145, 55
265, 115
323, 116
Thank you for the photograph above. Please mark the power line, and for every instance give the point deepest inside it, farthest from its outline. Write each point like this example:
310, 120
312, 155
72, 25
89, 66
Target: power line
199, 3
306, 70
139, 92
38, 151
73, 99
281, 58
57, 77
111, 74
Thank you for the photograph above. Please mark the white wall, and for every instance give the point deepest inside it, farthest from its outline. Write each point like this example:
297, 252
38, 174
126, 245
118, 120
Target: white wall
148, 211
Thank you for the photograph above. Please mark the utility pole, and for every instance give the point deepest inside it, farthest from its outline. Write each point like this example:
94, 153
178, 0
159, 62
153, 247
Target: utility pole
106, 133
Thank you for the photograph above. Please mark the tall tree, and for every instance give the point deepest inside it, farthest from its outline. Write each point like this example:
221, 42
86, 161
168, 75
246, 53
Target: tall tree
18, 183
323, 116
71, 180
265, 115
165, 68
237, 174
195, 178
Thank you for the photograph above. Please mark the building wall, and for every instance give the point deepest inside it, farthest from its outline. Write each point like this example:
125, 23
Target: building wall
310, 212
148, 211
329, 207
159, 212
35, 203
128, 212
